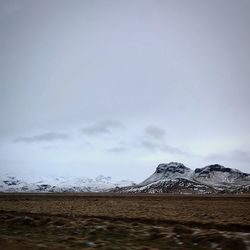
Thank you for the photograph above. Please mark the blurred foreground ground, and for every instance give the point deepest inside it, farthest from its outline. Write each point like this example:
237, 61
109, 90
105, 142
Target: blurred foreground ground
112, 221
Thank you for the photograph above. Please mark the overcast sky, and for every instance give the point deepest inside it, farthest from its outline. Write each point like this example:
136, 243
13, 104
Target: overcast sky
117, 87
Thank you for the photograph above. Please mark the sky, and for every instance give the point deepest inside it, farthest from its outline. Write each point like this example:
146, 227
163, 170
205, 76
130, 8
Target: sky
116, 87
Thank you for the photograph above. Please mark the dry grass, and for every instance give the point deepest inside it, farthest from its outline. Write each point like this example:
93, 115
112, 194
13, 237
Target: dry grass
106, 221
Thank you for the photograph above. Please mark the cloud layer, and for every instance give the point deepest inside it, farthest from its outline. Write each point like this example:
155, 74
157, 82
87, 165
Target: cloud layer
104, 127
236, 156
117, 87
46, 137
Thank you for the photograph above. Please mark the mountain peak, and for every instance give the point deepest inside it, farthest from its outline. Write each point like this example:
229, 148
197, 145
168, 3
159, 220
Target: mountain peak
60, 184
173, 167
171, 170
218, 174
215, 168
175, 177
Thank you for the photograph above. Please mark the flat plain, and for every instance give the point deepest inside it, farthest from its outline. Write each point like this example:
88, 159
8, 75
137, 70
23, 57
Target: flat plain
115, 221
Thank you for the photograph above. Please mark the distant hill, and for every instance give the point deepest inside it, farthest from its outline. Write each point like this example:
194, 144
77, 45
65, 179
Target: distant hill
174, 177
59, 184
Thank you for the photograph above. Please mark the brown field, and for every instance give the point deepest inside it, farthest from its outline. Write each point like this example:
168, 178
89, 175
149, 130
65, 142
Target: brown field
115, 221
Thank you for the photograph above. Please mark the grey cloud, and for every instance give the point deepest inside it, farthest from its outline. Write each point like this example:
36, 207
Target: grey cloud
118, 149
95, 130
137, 70
104, 127
149, 145
161, 146
174, 150
112, 124
9, 7
46, 137
155, 132
232, 156
154, 140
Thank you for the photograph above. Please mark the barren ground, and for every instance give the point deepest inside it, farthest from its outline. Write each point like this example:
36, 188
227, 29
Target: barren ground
114, 221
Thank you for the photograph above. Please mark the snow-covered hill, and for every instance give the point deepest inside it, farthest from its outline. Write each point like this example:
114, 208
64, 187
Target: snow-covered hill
219, 175
176, 178
172, 177
169, 171
59, 184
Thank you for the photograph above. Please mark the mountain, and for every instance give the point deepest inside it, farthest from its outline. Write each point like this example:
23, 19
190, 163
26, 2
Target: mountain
174, 177
219, 175
171, 170
59, 184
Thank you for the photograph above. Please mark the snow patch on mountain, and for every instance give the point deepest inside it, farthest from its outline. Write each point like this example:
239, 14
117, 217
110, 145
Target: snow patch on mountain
176, 178
220, 175
173, 186
172, 177
169, 171
59, 184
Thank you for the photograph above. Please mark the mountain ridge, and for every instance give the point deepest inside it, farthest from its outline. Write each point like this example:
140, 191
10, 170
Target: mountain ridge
170, 177
175, 177
60, 184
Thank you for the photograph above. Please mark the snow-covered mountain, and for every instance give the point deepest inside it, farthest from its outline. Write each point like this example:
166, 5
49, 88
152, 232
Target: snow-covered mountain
176, 178
59, 184
169, 171
219, 175
172, 177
